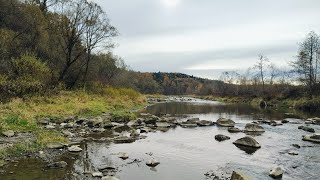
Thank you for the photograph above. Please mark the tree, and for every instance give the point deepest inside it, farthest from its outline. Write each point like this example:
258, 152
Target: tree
261, 66
71, 26
97, 31
307, 62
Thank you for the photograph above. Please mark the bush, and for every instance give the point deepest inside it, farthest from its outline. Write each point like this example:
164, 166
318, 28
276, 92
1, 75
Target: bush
27, 75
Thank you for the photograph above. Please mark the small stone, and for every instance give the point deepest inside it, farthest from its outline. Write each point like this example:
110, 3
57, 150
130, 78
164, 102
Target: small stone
296, 146
8, 133
74, 149
49, 126
239, 176
221, 137
152, 163
276, 173
97, 174
293, 153
55, 145
123, 156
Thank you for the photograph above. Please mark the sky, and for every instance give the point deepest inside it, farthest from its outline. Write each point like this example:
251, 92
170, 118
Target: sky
206, 37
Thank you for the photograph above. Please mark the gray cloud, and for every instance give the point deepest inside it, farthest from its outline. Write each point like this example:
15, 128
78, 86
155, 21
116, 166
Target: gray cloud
199, 37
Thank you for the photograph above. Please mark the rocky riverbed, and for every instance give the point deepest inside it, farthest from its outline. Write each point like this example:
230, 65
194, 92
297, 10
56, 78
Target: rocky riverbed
188, 139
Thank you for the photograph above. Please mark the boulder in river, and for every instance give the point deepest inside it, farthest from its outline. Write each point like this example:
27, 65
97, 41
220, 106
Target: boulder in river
221, 137
8, 133
312, 138
225, 122
193, 120
163, 125
253, 128
60, 164
188, 125
306, 128
276, 173
236, 175
134, 123
204, 123
152, 163
247, 141
233, 130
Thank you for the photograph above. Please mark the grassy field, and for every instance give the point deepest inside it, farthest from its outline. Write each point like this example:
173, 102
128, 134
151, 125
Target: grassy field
21, 115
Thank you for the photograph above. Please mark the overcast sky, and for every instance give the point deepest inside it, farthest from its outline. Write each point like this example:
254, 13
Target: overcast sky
206, 37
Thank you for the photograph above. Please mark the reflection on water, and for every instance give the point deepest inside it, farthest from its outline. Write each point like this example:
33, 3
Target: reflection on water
189, 153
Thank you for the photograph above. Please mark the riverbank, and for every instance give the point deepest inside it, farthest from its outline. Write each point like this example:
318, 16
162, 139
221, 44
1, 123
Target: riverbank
300, 103
28, 125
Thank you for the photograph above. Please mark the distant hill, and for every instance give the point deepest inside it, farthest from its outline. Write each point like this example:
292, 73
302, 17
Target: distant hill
175, 84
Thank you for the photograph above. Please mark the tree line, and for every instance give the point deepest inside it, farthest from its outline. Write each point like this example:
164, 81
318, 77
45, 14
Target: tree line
67, 44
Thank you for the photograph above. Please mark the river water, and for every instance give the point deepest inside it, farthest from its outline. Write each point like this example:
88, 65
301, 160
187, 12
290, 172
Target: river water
190, 153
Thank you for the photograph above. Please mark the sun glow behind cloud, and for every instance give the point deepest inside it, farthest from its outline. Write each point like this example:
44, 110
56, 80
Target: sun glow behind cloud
170, 3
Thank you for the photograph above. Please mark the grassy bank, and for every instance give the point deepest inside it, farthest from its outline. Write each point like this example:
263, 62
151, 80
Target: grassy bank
301, 103
22, 115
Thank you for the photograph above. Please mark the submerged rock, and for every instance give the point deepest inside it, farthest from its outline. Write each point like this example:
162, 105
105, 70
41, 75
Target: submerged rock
312, 138
152, 163
8, 133
188, 125
247, 141
60, 164
306, 128
276, 173
233, 130
225, 122
124, 139
253, 128
236, 175
221, 137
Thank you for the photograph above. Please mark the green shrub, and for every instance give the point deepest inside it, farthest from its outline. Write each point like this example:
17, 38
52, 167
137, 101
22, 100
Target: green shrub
27, 75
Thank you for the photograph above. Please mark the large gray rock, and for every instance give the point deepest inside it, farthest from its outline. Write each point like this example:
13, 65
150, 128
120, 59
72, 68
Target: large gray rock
96, 122
306, 128
312, 138
276, 173
247, 141
8, 133
253, 128
188, 125
236, 175
225, 122
221, 137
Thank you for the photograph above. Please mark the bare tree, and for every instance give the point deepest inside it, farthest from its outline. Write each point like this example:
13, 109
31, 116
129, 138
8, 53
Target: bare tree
261, 65
72, 27
307, 63
97, 32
